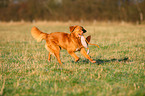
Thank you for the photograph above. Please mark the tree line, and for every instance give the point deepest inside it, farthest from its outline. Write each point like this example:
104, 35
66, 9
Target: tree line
74, 10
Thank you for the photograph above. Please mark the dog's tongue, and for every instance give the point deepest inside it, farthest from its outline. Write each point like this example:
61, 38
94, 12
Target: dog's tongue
84, 43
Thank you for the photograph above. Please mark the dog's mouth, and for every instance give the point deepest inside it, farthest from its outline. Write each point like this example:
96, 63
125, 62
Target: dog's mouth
82, 32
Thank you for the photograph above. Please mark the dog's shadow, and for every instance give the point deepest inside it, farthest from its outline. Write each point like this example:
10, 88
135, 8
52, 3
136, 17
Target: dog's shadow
103, 61
85, 61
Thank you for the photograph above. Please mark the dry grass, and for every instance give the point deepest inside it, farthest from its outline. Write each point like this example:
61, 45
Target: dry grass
119, 70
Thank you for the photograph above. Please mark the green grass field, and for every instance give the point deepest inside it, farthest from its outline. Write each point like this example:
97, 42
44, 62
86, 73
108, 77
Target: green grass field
120, 67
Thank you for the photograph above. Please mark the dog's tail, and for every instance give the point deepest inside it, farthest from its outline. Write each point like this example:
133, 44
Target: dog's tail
38, 35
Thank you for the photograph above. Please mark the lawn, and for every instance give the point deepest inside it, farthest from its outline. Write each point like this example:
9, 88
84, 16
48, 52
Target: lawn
119, 71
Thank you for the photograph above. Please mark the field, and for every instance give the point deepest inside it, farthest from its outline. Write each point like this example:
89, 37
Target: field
119, 71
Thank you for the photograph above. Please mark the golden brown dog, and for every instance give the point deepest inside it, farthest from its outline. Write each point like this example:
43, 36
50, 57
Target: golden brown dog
57, 40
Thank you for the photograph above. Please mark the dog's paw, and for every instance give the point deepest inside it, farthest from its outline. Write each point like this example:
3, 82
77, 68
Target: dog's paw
93, 61
76, 60
49, 60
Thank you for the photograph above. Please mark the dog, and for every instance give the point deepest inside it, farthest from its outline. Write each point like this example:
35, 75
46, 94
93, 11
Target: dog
57, 40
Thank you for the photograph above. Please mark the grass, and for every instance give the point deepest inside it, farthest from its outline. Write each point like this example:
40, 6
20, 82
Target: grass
120, 67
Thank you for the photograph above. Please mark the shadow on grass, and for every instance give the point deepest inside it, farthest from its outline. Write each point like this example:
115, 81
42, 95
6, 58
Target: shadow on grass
125, 59
102, 61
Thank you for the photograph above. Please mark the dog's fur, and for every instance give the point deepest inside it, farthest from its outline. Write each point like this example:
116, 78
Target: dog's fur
57, 40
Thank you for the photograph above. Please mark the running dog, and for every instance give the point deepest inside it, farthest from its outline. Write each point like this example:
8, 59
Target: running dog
57, 40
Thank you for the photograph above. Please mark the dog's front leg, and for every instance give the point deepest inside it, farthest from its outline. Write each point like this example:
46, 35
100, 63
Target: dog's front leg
74, 55
83, 52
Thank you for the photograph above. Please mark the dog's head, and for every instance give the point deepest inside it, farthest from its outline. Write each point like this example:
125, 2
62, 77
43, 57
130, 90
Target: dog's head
77, 30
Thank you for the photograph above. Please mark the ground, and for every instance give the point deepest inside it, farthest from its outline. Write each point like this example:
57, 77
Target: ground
120, 67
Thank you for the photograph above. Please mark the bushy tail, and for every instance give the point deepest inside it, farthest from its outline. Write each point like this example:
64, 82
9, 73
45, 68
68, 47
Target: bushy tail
38, 35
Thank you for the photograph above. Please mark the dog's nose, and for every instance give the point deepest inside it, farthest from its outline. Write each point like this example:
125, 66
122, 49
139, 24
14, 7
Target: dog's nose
84, 31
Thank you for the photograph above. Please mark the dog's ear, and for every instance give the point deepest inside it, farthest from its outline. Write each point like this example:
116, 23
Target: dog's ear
72, 28
88, 38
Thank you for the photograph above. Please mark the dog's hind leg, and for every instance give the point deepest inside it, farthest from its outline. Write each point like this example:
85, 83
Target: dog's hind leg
53, 49
57, 55
50, 52
49, 57
56, 51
